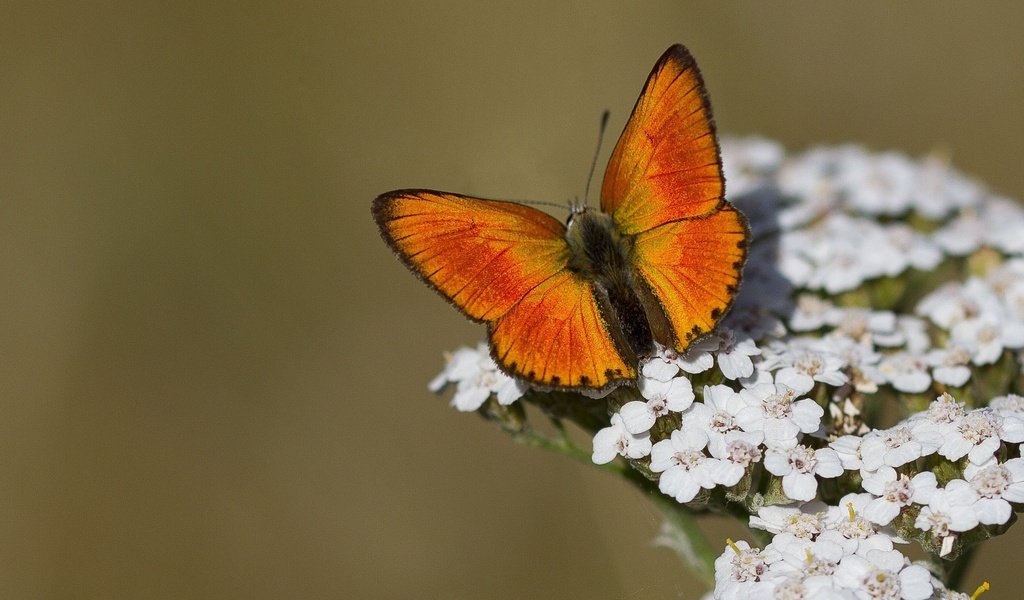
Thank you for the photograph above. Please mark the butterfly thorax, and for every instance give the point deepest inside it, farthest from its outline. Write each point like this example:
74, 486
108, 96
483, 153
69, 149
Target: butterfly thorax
602, 255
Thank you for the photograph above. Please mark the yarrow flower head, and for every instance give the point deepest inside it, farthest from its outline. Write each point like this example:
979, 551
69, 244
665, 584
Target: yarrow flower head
863, 393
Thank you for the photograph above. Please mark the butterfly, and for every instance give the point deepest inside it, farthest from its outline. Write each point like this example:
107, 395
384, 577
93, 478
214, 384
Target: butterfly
579, 305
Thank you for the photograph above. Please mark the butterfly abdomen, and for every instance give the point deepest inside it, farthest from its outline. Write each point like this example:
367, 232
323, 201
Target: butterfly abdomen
601, 254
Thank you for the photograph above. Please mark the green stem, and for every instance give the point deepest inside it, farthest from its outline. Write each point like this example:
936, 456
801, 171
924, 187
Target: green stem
686, 538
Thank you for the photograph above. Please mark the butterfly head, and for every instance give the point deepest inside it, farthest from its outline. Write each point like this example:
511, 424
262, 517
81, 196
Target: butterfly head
576, 209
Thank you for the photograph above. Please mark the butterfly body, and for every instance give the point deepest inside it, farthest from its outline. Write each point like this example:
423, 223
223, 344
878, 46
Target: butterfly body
576, 306
602, 255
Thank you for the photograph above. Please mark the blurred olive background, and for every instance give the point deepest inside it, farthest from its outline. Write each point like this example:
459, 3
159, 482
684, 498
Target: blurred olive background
213, 372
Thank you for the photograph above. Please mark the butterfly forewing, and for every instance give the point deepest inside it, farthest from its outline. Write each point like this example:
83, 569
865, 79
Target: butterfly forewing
482, 255
666, 164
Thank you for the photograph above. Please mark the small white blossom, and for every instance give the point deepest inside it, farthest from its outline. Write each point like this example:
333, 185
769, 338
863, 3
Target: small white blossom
805, 521
942, 417
948, 512
979, 434
740, 451
734, 355
847, 448
805, 557
667, 363
741, 570
845, 523
884, 576
615, 440
1010, 405
804, 366
906, 372
986, 338
476, 377
812, 313
950, 365
898, 446
798, 466
674, 395
716, 416
775, 410
894, 492
684, 467
995, 486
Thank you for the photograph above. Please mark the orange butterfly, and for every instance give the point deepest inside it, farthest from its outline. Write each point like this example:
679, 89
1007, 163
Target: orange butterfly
577, 306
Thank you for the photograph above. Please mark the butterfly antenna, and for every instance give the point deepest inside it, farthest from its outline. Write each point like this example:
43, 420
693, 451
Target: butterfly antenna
593, 164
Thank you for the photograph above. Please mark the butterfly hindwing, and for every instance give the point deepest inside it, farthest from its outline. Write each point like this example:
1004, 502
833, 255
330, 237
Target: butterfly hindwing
558, 336
693, 268
505, 264
666, 164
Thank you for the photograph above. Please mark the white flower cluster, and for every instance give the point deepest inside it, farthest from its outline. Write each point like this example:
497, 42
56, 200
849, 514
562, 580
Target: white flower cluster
988, 485
476, 377
826, 204
834, 231
822, 552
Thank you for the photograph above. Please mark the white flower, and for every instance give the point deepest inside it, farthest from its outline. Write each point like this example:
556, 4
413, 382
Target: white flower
860, 360
985, 338
877, 184
918, 250
804, 366
909, 332
476, 377
949, 365
955, 302
734, 355
898, 446
806, 557
1005, 221
845, 523
674, 395
865, 325
684, 467
884, 575
741, 569
894, 492
847, 449
942, 417
979, 434
747, 162
812, 313
1010, 405
948, 512
995, 486
941, 190
804, 521
798, 467
667, 363
818, 587
716, 416
740, 451
906, 372
615, 440
775, 410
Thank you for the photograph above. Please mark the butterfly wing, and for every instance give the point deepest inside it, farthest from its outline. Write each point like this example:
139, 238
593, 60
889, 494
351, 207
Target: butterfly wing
666, 164
664, 186
693, 268
505, 264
